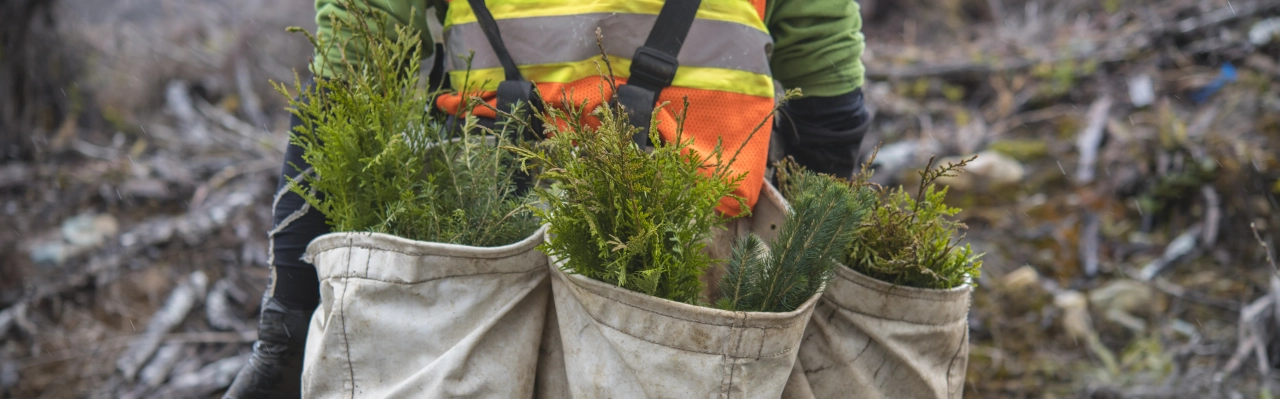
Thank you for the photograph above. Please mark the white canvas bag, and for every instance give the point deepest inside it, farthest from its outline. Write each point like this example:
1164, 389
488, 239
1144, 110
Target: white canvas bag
872, 339
623, 344
403, 318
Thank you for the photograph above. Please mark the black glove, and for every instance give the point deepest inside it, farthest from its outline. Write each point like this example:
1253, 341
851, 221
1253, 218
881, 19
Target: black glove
823, 133
275, 368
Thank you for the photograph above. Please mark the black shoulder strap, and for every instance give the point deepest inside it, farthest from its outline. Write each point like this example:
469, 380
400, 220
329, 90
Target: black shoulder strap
654, 65
490, 28
513, 91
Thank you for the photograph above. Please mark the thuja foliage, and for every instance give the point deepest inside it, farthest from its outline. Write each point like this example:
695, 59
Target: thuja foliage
624, 216
912, 241
825, 212
381, 162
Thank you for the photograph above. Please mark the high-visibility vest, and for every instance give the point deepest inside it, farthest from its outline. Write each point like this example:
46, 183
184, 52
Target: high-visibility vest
723, 68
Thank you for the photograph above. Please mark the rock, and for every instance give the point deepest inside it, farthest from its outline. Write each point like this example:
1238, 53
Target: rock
1026, 276
1141, 90
1075, 318
89, 230
990, 170
894, 157
1124, 295
1264, 31
1120, 298
78, 235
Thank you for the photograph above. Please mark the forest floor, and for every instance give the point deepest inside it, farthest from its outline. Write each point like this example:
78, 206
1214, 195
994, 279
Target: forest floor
1124, 193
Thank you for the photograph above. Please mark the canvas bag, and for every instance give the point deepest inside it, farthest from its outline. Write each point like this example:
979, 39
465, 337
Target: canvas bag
404, 318
871, 339
624, 344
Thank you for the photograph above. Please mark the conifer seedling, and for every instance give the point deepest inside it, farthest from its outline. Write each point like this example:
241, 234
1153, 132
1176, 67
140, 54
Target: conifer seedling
382, 162
624, 216
912, 241
825, 212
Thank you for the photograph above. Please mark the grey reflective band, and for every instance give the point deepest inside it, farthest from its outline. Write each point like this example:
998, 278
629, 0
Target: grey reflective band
571, 38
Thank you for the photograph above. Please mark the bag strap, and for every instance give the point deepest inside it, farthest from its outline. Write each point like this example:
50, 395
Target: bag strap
513, 91
490, 28
653, 67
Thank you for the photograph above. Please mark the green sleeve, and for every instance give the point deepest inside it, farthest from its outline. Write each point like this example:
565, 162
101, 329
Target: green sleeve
410, 13
817, 45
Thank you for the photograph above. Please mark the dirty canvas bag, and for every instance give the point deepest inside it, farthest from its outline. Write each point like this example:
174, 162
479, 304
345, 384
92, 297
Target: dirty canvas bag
404, 318
624, 344
872, 339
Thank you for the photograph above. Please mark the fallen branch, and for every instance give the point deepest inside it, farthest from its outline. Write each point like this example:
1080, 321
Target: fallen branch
1178, 248
110, 344
1140, 42
193, 227
1089, 243
158, 369
218, 308
1090, 139
1212, 216
180, 302
211, 377
1265, 248
1250, 338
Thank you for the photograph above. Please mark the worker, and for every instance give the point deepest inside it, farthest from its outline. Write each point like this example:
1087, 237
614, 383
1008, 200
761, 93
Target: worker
730, 59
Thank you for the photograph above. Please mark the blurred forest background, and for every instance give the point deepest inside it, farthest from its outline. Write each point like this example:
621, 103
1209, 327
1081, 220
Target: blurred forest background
1125, 190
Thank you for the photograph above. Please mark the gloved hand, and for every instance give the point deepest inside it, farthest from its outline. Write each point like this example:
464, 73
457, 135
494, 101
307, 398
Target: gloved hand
275, 368
823, 133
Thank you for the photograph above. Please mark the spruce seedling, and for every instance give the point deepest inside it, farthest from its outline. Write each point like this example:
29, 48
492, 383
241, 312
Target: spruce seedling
381, 162
911, 241
824, 215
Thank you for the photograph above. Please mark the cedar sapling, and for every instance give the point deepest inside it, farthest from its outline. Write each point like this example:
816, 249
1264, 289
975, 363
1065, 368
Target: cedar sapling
618, 214
637, 219
825, 212
382, 162
911, 241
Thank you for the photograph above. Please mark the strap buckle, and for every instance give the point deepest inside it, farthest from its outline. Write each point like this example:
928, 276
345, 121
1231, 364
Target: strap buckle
638, 102
652, 69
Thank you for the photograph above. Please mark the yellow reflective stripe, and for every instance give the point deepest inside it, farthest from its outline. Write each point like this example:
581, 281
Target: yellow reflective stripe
727, 80
739, 11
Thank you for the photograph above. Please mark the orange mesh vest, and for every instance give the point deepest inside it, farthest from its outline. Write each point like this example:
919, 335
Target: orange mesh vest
723, 67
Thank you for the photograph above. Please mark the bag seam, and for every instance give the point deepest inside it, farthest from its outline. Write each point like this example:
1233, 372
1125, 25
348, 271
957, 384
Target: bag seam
956, 358
346, 339
834, 303
427, 280
351, 244
789, 325
602, 323
377, 248
903, 293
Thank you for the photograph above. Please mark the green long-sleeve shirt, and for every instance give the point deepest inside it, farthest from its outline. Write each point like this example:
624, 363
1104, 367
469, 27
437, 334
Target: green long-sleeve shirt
817, 43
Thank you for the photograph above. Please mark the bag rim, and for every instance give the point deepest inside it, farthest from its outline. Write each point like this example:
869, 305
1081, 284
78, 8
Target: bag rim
684, 311
388, 242
845, 272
